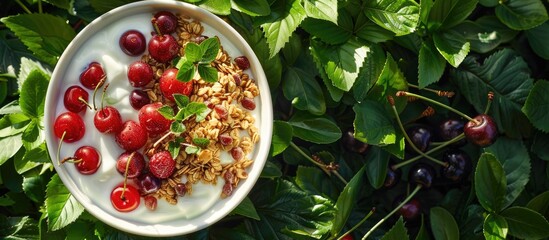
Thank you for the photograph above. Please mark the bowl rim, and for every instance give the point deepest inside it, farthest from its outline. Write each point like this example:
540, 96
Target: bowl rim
266, 115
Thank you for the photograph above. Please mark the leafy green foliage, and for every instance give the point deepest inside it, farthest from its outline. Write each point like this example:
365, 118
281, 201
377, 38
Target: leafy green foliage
282, 136
525, 223
303, 90
490, 183
522, 14
443, 224
198, 57
398, 231
377, 162
535, 103
346, 201
400, 17
431, 65
495, 227
452, 46
486, 33
536, 38
61, 206
446, 14
372, 124
316, 130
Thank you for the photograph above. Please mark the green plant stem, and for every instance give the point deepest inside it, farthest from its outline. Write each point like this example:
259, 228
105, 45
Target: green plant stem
490, 96
441, 146
421, 153
358, 224
23, 6
439, 104
426, 89
418, 187
39, 6
320, 165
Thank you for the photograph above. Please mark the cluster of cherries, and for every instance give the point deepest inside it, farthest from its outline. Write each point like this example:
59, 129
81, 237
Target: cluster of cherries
455, 164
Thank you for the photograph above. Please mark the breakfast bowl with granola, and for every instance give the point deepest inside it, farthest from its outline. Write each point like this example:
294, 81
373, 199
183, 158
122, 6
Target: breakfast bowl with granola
161, 116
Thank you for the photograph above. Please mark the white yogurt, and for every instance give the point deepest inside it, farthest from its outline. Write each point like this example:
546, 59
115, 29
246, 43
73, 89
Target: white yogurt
103, 48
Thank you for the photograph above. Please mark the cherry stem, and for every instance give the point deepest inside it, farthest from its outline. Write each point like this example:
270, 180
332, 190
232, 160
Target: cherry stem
71, 159
421, 153
162, 139
358, 224
59, 148
441, 146
320, 165
96, 88
404, 93
418, 187
126, 175
490, 99
156, 28
85, 102
440, 93
103, 98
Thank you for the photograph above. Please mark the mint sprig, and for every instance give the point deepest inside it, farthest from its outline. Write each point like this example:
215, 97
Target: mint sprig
198, 57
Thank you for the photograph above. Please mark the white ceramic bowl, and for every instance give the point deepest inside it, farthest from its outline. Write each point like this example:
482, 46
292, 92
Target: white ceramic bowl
99, 42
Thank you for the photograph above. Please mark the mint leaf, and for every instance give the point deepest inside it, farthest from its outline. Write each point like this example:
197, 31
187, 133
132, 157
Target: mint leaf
201, 142
398, 231
537, 37
452, 46
174, 147
195, 108
166, 111
447, 14
431, 64
490, 183
322, 9
33, 94
210, 47
192, 149
373, 124
61, 206
281, 23
300, 87
521, 14
536, 105
181, 100
253, 8
186, 70
207, 72
193, 52
525, 223
495, 227
400, 16
177, 127
45, 35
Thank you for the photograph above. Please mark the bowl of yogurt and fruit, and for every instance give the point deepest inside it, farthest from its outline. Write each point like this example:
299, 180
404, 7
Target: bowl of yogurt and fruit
161, 116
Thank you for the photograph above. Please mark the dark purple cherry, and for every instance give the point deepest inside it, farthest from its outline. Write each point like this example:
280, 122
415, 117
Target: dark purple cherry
411, 210
420, 136
138, 99
450, 129
459, 165
482, 131
147, 183
422, 174
392, 177
352, 144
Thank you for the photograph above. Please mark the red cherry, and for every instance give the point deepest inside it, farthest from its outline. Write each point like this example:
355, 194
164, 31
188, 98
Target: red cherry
135, 165
242, 62
75, 99
92, 76
132, 136
147, 183
138, 99
411, 210
347, 237
87, 160
163, 48
152, 120
71, 125
150, 202
161, 164
166, 22
108, 120
169, 84
140, 74
132, 42
125, 199
482, 131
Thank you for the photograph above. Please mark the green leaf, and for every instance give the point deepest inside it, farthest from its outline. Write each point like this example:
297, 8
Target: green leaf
431, 64
246, 208
495, 227
317, 130
61, 206
424, 10
33, 135
186, 70
196, 108
18, 228
192, 149
370, 31
507, 75
33, 94
285, 17
314, 181
300, 87
270, 170
287, 212
489, 3
370, 72
207, 72
513, 156
210, 48
525, 223
346, 202
447, 14
521, 14
490, 183
27, 66
540, 203
377, 161
166, 111
177, 127
443, 224
252, 7
539, 145
34, 188
9, 147
65, 4
390, 81
219, 7
11, 51
423, 234
400, 16
322, 9
201, 142
486, 33
37, 155
45, 35
174, 147
329, 32
452, 46
372, 123
102, 6
282, 136
535, 107
397, 232
193, 52
537, 37
181, 100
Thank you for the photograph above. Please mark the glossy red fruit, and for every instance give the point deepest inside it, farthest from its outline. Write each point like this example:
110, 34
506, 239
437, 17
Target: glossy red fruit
161, 164
88, 160
140, 74
108, 120
71, 124
411, 210
135, 167
147, 183
138, 99
150, 202
166, 22
242, 62
132, 42
163, 48
75, 99
169, 84
482, 131
347, 237
152, 120
92, 76
132, 136
125, 200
